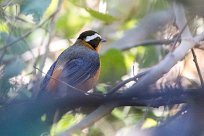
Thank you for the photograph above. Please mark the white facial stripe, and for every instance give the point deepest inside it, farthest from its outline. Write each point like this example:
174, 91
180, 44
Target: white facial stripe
89, 38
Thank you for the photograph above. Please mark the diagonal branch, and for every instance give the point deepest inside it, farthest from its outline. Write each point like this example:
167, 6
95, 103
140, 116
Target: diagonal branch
150, 24
150, 43
118, 86
197, 67
51, 32
90, 119
187, 42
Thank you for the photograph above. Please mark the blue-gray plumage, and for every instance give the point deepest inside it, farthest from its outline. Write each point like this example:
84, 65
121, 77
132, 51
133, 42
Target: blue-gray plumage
78, 65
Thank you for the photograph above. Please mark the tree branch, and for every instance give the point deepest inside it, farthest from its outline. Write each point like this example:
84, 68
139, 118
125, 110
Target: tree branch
150, 43
166, 97
148, 25
172, 58
118, 86
197, 67
90, 119
51, 35
163, 67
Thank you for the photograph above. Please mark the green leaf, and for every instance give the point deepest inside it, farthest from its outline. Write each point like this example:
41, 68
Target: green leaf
3, 27
101, 16
14, 68
129, 58
66, 121
64, 23
11, 70
36, 8
17, 48
118, 113
147, 56
112, 66
94, 131
101, 88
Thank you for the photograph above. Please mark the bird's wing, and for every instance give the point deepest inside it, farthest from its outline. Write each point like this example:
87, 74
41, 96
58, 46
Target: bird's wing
47, 77
78, 70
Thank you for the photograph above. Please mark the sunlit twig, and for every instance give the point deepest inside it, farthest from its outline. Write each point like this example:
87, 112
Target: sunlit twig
118, 86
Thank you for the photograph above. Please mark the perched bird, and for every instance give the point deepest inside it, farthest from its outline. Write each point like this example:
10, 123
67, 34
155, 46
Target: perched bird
78, 65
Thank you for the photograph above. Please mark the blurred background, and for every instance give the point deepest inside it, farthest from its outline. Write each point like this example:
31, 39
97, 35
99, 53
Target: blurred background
34, 33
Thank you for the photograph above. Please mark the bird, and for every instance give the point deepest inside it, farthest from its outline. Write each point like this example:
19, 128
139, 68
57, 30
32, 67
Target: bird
77, 66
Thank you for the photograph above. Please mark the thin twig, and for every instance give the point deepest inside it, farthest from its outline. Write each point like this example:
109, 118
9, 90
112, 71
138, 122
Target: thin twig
148, 26
163, 66
2, 56
178, 36
68, 85
17, 18
27, 33
118, 86
150, 43
171, 59
151, 100
51, 35
90, 119
197, 67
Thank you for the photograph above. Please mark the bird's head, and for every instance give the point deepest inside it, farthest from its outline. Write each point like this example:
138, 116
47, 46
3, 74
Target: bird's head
91, 39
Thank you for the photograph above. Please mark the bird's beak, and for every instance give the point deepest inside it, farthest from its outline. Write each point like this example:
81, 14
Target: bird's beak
103, 40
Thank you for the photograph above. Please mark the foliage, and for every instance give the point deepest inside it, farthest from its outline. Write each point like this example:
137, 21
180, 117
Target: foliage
112, 63
147, 56
27, 25
103, 17
34, 8
20, 17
